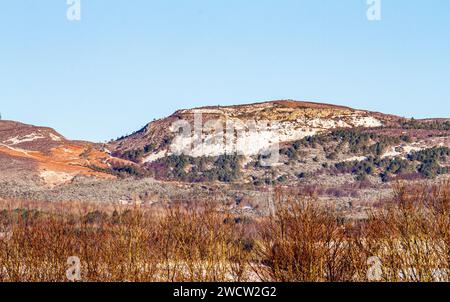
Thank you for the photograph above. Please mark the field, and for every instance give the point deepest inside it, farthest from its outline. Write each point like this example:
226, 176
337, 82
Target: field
403, 239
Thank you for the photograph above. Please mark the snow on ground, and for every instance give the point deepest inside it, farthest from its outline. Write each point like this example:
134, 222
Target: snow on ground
252, 137
27, 138
365, 121
65, 150
355, 158
391, 153
242, 142
53, 178
155, 156
410, 148
251, 142
340, 122
54, 137
326, 123
402, 150
25, 152
246, 161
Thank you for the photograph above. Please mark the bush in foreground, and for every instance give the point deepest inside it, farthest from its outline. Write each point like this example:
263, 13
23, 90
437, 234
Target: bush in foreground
299, 241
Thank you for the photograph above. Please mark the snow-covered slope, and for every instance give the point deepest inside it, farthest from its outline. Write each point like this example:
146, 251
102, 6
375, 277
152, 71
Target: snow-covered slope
243, 129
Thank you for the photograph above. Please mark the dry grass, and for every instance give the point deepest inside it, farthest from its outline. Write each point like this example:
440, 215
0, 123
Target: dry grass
299, 242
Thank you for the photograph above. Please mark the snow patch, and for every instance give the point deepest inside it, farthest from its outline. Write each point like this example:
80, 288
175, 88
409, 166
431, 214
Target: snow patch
262, 136
242, 141
355, 158
54, 137
155, 156
391, 153
327, 123
408, 149
53, 178
16, 149
27, 138
401, 150
65, 150
365, 121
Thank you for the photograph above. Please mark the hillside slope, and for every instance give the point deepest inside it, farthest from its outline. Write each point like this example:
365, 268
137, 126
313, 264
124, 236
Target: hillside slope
41, 152
314, 139
288, 121
338, 154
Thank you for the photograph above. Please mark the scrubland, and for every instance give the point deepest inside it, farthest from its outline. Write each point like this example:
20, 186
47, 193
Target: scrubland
405, 238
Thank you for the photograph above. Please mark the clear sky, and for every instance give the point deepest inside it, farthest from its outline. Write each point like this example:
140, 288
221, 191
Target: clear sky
128, 62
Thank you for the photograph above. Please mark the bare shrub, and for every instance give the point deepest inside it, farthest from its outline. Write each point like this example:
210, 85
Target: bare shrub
303, 242
299, 241
410, 235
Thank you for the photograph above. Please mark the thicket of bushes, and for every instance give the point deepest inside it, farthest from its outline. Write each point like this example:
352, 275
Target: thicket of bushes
136, 155
433, 125
428, 164
299, 241
357, 141
224, 168
122, 170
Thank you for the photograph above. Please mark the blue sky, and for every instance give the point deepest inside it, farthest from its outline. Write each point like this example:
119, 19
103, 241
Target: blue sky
128, 62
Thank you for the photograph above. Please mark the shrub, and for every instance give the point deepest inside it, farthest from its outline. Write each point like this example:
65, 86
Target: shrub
299, 241
427, 125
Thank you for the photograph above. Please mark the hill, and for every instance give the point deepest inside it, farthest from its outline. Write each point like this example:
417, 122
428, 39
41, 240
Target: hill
346, 156
40, 152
